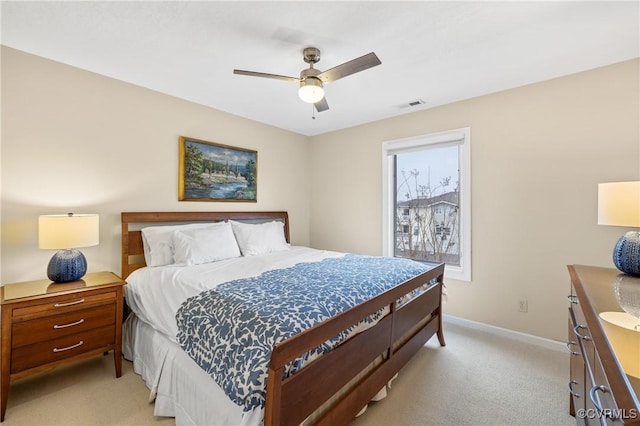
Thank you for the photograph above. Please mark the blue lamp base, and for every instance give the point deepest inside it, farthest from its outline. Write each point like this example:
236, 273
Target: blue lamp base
626, 253
67, 265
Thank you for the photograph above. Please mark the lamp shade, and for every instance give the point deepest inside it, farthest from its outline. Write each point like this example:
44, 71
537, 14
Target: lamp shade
67, 231
619, 204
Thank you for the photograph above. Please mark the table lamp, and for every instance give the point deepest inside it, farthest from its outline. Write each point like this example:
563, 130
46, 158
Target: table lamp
67, 232
619, 205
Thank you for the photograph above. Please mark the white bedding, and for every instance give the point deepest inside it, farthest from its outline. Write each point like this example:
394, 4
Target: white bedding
154, 294
178, 387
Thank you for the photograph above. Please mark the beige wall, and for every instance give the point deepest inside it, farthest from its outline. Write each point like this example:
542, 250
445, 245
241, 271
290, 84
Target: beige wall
537, 153
77, 141
74, 140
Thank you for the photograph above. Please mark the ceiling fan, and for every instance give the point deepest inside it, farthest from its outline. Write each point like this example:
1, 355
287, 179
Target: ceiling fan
312, 80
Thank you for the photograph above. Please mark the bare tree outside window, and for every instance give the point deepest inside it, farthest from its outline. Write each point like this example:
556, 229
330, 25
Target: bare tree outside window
427, 214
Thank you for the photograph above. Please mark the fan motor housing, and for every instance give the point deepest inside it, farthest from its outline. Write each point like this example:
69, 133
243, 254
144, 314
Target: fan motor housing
311, 81
309, 72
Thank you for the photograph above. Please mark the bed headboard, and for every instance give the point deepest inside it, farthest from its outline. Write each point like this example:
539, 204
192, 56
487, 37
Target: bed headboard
132, 222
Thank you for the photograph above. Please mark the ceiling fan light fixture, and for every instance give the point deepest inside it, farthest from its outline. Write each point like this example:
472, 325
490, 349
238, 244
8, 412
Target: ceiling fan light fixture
311, 90
311, 80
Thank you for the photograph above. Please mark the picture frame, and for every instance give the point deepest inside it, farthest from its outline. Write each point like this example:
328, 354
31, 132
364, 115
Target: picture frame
210, 171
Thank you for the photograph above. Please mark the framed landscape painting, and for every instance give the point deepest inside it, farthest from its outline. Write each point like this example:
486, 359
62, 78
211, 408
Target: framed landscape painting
213, 172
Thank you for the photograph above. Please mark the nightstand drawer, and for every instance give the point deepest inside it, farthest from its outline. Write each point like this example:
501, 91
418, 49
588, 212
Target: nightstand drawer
37, 354
53, 327
61, 305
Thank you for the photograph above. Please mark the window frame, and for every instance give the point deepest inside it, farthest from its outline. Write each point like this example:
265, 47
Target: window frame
460, 137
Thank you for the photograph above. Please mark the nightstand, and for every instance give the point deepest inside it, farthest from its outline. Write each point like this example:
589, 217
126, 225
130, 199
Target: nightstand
45, 325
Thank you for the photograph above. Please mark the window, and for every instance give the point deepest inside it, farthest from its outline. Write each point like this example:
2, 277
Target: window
426, 188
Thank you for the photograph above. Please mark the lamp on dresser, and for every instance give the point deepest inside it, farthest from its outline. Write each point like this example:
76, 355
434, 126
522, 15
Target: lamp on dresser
67, 233
619, 205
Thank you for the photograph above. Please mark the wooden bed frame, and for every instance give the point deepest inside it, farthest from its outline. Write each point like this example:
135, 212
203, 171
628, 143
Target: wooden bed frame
357, 369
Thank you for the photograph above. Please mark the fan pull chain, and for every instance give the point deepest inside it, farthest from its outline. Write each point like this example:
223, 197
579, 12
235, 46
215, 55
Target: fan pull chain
313, 112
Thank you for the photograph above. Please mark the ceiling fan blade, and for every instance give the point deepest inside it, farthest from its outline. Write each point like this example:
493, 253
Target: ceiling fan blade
322, 105
262, 74
355, 65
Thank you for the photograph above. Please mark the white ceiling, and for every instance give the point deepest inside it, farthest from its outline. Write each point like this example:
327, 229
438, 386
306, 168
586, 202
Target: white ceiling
439, 52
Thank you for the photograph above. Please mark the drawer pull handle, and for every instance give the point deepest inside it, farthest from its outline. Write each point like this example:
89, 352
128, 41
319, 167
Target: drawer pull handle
68, 325
576, 330
592, 395
572, 343
575, 394
80, 343
62, 305
573, 299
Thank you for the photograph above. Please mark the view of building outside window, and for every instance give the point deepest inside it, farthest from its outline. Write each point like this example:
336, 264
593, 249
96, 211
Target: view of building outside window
427, 205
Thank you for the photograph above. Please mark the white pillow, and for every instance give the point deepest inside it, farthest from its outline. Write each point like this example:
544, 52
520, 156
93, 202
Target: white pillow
205, 245
260, 238
157, 242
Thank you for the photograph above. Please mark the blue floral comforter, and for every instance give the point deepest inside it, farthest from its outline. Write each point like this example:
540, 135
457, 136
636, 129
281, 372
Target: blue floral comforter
230, 330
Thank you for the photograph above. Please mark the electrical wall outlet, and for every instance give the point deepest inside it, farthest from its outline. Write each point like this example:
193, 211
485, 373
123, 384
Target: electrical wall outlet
523, 306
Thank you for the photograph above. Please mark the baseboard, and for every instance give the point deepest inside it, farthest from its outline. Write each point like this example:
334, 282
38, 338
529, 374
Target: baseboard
522, 337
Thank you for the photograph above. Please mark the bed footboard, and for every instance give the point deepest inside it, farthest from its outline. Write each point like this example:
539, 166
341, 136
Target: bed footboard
359, 367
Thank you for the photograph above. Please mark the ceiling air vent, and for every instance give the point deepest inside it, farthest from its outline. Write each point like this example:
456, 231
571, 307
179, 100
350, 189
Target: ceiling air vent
412, 104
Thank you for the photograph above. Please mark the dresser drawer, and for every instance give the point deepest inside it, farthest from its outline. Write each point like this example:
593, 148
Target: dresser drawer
576, 368
582, 333
53, 327
59, 305
40, 353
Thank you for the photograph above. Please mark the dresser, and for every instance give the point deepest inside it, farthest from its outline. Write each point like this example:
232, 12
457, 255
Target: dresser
45, 325
604, 382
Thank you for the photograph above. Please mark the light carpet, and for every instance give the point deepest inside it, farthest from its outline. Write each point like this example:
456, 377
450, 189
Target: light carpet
479, 378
